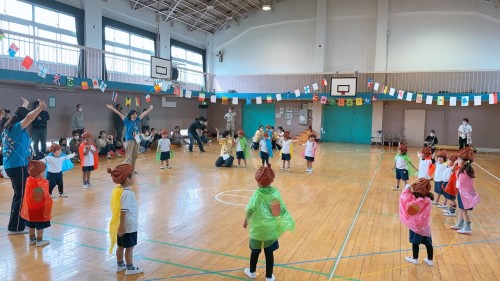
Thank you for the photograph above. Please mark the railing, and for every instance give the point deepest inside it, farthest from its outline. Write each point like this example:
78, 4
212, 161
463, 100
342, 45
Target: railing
79, 61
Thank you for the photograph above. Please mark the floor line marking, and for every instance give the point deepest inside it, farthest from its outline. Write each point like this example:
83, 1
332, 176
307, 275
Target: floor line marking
476, 164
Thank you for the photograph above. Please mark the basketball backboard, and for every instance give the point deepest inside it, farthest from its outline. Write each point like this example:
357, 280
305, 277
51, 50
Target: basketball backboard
160, 68
343, 86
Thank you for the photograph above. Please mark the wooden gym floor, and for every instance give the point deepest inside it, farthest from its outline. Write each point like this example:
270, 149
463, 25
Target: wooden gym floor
191, 223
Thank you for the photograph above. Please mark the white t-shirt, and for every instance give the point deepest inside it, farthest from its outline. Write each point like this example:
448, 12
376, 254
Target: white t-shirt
439, 173
263, 145
238, 145
285, 146
89, 158
423, 168
54, 164
129, 204
164, 144
310, 148
465, 131
401, 163
447, 173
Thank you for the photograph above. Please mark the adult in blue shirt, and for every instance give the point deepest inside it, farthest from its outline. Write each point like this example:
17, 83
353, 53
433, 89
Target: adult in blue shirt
16, 155
198, 124
132, 124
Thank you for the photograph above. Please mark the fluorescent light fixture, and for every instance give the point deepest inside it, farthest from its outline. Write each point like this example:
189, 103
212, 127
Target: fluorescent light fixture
266, 7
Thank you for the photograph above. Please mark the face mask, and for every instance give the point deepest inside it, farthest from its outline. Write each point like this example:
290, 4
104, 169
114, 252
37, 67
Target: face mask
465, 123
80, 109
76, 137
432, 135
147, 134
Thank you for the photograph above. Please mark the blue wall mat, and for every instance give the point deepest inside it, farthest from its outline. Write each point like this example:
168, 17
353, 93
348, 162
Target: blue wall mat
255, 115
352, 124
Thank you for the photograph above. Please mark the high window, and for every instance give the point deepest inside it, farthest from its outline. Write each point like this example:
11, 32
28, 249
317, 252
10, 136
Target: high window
191, 61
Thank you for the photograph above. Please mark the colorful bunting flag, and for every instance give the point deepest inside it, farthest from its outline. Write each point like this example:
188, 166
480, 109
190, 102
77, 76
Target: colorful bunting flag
95, 84
69, 82
224, 100
297, 93
177, 91
269, 99
367, 101
103, 86
306, 90
374, 98
419, 98
392, 91
235, 100
386, 89
401, 94
157, 88
114, 98
258, 100
324, 99
278, 97
440, 100
465, 101
477, 100
13, 49
2, 35
213, 98
147, 97
341, 102
188, 94
201, 96
128, 101
350, 102
359, 101
57, 79
375, 87
27, 62
453, 101
43, 71
315, 97
315, 87
165, 86
493, 98
409, 96
331, 101
370, 83
324, 82
428, 100
85, 85
137, 101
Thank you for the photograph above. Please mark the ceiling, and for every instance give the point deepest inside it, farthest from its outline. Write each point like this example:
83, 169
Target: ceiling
209, 16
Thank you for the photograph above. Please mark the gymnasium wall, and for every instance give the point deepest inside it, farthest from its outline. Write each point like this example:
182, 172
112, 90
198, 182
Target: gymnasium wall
97, 116
482, 119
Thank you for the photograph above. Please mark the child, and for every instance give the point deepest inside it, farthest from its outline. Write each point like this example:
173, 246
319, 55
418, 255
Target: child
403, 166
74, 145
242, 149
164, 149
426, 163
37, 203
415, 213
467, 196
450, 189
431, 140
64, 146
286, 150
267, 219
439, 178
281, 138
274, 138
54, 162
88, 156
124, 220
310, 152
266, 149
257, 137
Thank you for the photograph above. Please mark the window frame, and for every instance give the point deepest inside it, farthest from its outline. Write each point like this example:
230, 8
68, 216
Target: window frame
193, 49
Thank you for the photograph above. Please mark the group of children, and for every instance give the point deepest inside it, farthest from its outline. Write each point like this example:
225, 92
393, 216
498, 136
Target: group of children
453, 178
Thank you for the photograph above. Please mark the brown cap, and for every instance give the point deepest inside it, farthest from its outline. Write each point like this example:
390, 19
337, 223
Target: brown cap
120, 173
265, 175
163, 132
442, 153
466, 153
241, 133
268, 127
266, 135
426, 150
35, 168
421, 186
54, 147
453, 157
286, 135
403, 148
87, 134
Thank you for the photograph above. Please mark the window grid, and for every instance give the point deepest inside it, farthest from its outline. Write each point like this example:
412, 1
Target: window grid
188, 60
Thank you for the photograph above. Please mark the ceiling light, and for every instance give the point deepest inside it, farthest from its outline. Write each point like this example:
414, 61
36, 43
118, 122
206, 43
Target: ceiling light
266, 7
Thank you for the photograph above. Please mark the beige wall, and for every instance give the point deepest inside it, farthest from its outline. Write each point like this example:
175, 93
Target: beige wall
482, 119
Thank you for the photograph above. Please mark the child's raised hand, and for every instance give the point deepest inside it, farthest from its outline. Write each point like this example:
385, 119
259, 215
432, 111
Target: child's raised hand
245, 224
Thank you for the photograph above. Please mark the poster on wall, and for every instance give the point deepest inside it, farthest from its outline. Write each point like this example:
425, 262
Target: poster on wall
289, 122
278, 115
295, 111
310, 106
282, 110
303, 117
289, 109
288, 116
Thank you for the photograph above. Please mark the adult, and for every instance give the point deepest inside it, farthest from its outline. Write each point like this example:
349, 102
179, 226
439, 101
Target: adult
105, 144
4, 117
131, 123
177, 138
464, 134
431, 140
118, 122
145, 121
78, 122
39, 132
230, 117
227, 150
198, 124
154, 138
16, 154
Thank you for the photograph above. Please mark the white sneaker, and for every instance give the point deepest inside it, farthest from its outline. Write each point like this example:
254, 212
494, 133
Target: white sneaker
162, 167
120, 268
271, 279
429, 262
449, 214
457, 226
412, 260
251, 275
17, 232
134, 271
62, 195
86, 186
288, 169
33, 242
42, 243
168, 167
442, 206
435, 203
282, 168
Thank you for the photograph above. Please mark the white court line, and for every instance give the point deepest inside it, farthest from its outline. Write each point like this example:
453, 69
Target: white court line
217, 196
486, 171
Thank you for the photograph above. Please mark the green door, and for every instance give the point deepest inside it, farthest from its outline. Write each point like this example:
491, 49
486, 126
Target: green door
352, 124
255, 115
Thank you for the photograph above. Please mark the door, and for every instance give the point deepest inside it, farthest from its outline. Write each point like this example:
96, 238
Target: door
414, 126
350, 124
436, 120
255, 115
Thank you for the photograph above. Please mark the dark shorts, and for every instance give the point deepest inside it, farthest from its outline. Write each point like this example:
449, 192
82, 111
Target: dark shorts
240, 155
273, 247
128, 240
402, 174
419, 239
446, 195
87, 168
438, 187
460, 204
264, 155
38, 225
165, 155
286, 156
255, 146
309, 158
